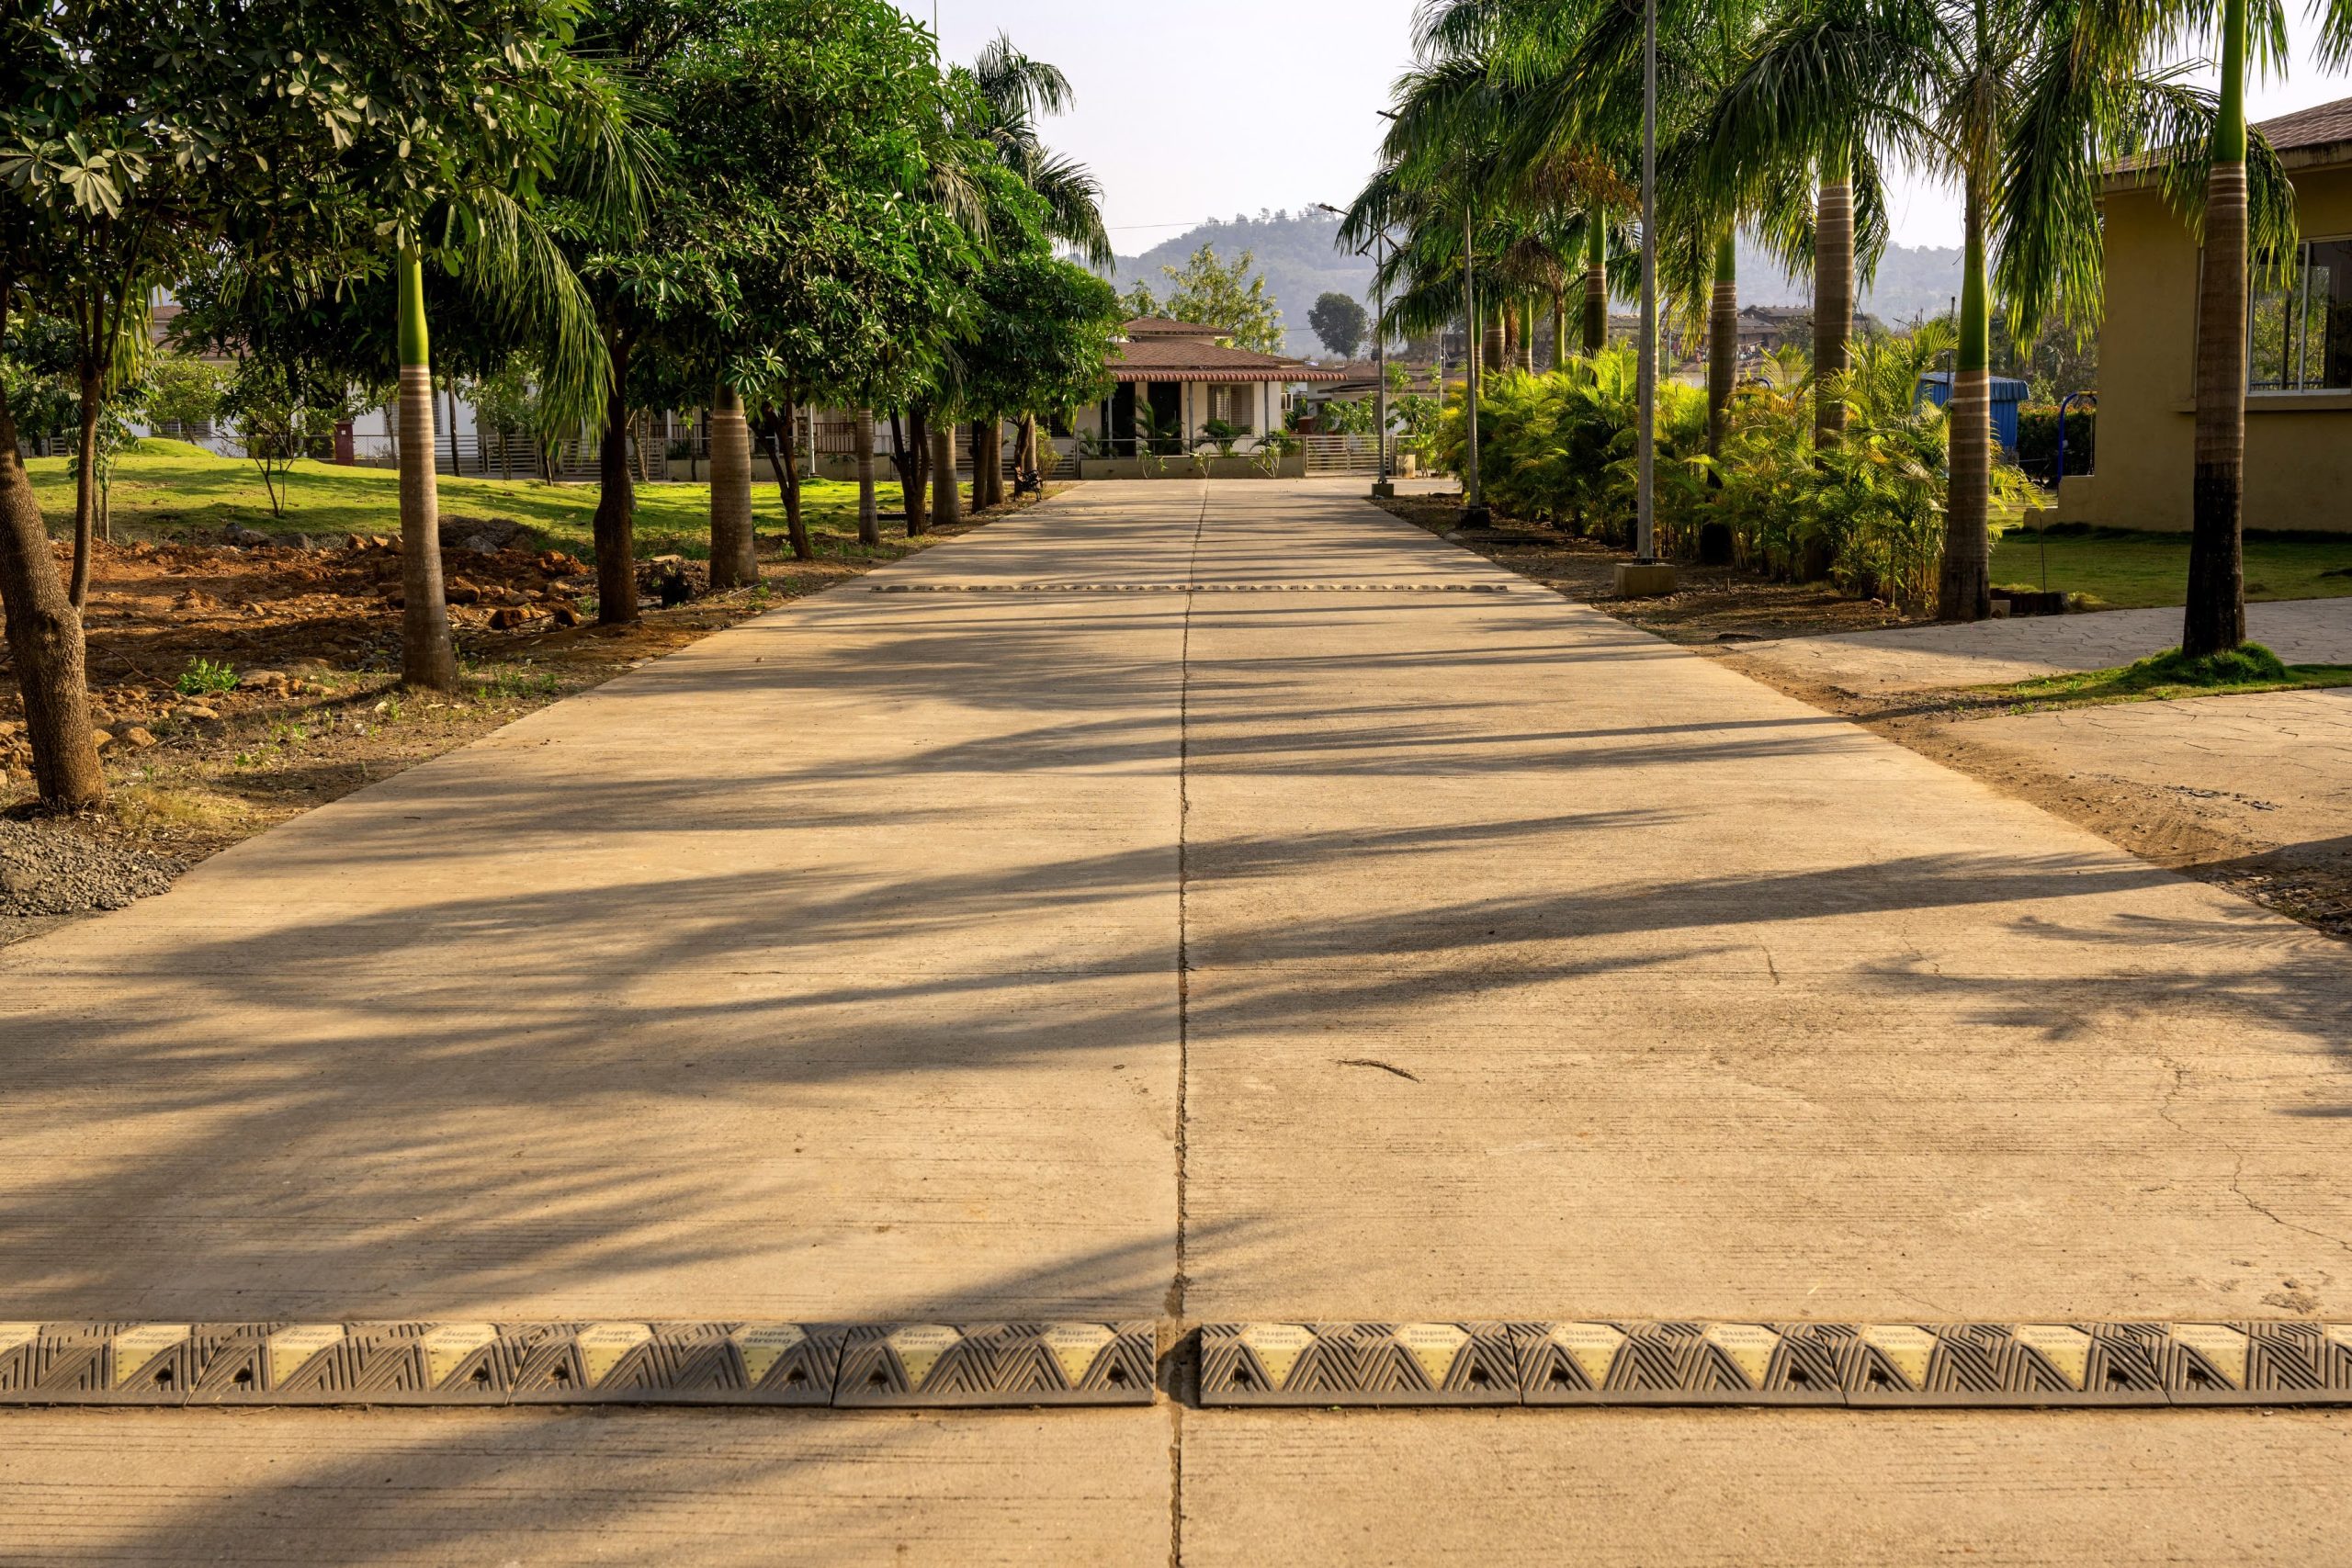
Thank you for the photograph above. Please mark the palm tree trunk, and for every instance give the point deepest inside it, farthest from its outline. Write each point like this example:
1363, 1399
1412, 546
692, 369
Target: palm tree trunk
734, 551
1559, 327
44, 638
615, 526
1965, 589
785, 457
1723, 342
1833, 296
2214, 621
429, 658
1494, 345
1596, 285
869, 518
1527, 334
946, 501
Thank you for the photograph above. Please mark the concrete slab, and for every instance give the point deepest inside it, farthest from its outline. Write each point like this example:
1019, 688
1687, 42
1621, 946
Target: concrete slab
1707, 998
1785, 1489
650, 1487
2300, 631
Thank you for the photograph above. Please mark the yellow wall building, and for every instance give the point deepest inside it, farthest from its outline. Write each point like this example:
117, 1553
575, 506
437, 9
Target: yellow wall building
2299, 399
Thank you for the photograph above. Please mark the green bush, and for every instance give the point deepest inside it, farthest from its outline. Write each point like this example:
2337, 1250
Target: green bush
2038, 440
203, 677
1867, 512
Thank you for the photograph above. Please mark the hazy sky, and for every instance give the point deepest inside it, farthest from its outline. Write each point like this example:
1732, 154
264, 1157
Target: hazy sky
1217, 106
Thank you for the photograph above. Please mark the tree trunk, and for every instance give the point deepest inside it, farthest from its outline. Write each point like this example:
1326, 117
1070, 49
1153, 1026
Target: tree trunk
1723, 343
44, 638
1527, 334
616, 522
869, 518
2214, 621
1493, 339
1559, 328
457, 464
1965, 589
85, 488
983, 470
1031, 460
786, 460
917, 472
946, 501
1833, 298
734, 551
1596, 286
429, 658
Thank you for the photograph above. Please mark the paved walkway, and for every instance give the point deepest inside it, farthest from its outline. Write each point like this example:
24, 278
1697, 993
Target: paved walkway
2300, 631
1184, 955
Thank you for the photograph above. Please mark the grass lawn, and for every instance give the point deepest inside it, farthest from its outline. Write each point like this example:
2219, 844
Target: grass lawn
2165, 677
172, 491
2124, 571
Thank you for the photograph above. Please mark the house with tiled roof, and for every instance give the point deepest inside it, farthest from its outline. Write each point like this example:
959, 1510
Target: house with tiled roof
2299, 370
1177, 389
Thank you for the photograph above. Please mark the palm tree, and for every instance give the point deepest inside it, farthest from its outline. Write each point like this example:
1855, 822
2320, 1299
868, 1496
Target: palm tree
1947, 83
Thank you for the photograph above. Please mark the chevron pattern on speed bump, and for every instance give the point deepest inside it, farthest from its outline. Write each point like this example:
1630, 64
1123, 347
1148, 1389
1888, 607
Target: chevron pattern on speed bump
574, 1364
1627, 1362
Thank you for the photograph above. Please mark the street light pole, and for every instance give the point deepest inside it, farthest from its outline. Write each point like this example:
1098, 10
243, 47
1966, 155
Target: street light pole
1473, 496
1647, 574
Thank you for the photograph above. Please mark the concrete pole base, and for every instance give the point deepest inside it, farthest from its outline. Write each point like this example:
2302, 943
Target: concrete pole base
1384, 490
1644, 578
1478, 516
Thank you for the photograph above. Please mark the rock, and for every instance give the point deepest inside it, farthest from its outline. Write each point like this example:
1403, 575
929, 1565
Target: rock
102, 737
195, 711
51, 869
506, 618
488, 535
243, 537
460, 591
565, 615
195, 599
297, 541
253, 680
139, 736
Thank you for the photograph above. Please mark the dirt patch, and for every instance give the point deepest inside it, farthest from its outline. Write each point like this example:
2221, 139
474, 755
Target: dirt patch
1717, 610
235, 686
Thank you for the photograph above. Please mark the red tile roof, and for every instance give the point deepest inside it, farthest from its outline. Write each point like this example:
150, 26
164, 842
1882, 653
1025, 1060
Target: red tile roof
1167, 357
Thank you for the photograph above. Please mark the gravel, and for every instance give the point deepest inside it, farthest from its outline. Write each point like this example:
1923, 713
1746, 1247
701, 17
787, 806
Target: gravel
47, 868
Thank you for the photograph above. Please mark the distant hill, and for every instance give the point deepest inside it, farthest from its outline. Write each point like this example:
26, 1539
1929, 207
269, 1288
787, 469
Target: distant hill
1297, 254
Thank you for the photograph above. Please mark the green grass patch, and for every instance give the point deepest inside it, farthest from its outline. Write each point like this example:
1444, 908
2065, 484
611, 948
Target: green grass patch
170, 489
2119, 569
2168, 676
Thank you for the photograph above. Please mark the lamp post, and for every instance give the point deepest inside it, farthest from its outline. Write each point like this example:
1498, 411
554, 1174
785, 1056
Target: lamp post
1647, 575
1382, 486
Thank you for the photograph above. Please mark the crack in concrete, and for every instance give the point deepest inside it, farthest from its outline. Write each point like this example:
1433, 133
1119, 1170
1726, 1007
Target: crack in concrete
1182, 1282
2238, 1172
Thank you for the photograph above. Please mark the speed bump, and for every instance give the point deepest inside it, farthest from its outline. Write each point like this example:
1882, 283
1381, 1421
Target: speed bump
2054, 1364
1358, 1363
931, 1364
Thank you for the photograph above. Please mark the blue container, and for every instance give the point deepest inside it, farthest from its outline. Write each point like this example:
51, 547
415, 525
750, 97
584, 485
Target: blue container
2008, 393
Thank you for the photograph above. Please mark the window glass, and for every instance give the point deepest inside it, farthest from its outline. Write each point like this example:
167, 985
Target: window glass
2299, 336
2327, 359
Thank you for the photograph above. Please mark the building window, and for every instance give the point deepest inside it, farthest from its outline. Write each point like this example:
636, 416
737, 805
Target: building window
2300, 337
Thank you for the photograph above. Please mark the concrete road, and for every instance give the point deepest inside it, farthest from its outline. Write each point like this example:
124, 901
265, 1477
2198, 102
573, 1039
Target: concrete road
1342, 935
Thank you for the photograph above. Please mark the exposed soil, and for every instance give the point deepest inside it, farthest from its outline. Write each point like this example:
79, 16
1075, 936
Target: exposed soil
306, 643
1717, 609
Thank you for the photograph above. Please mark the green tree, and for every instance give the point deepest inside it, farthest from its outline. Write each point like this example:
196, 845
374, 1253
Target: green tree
1212, 293
1340, 323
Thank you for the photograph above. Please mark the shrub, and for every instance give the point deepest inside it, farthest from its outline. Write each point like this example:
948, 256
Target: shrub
204, 677
2038, 440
